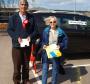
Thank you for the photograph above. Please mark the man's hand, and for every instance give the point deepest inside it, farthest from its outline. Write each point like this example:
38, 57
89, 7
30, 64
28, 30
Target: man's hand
28, 38
19, 40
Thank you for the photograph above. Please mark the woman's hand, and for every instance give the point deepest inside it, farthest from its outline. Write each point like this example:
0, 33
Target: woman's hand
44, 46
58, 46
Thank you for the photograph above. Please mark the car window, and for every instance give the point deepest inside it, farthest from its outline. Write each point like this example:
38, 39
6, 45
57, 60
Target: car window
40, 22
88, 25
64, 22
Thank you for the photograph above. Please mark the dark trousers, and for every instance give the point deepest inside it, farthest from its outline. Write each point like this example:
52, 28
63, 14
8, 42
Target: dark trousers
20, 57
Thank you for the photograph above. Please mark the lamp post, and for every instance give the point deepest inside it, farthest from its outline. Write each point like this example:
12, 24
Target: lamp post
74, 9
75, 13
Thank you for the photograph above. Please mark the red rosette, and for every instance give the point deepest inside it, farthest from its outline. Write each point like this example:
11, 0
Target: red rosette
25, 22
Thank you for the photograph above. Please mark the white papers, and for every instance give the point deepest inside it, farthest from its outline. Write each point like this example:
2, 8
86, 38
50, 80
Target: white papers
53, 47
24, 43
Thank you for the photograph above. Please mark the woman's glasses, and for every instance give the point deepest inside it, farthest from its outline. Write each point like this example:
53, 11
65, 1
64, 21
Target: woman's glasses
24, 4
52, 22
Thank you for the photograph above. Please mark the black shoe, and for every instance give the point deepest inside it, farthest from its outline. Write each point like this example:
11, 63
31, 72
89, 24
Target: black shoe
16, 82
26, 82
61, 70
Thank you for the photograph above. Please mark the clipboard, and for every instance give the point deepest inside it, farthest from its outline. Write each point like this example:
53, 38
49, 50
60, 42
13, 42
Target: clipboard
52, 51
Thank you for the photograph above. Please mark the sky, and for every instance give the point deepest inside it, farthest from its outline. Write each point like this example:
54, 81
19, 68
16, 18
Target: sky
82, 5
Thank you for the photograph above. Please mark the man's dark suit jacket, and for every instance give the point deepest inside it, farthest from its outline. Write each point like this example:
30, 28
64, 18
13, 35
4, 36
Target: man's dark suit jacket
15, 28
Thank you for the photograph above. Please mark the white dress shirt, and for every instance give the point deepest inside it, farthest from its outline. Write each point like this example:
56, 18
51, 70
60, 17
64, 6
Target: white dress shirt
23, 17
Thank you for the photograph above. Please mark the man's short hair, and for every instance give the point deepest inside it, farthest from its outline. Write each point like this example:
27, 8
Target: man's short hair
25, 1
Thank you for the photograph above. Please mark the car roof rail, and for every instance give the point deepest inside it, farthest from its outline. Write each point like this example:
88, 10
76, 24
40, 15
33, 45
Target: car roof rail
45, 11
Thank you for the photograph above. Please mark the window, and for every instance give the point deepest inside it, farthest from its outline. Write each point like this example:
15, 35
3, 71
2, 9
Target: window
65, 22
88, 25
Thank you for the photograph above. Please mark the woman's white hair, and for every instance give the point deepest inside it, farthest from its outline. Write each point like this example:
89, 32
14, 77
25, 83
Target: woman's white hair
47, 20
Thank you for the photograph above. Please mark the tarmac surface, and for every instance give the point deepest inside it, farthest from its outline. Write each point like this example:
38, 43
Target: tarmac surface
77, 71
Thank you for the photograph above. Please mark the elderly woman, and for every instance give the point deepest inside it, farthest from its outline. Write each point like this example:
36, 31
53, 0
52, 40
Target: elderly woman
52, 34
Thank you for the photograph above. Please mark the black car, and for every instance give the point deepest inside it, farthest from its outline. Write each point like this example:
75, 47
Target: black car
78, 32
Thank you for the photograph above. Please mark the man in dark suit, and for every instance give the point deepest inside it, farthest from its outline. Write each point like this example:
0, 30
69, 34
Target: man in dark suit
21, 26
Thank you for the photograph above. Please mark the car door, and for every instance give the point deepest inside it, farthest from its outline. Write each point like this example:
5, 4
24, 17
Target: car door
76, 34
87, 44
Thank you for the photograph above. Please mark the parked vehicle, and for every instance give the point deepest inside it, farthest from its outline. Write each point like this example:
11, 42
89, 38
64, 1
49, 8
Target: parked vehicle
76, 26
78, 30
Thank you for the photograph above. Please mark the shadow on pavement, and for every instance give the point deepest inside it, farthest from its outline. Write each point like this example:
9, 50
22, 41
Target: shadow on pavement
73, 74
